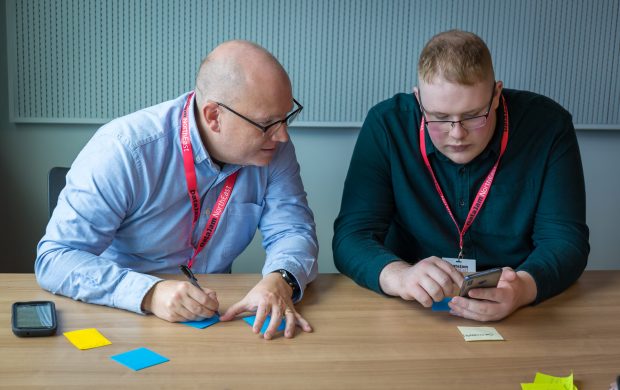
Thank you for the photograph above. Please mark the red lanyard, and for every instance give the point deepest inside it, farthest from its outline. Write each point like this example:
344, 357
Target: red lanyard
192, 187
484, 188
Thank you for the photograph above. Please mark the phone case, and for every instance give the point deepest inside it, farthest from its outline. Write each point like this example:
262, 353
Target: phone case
34, 332
483, 279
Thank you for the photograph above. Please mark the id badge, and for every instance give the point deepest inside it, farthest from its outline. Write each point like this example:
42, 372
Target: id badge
462, 265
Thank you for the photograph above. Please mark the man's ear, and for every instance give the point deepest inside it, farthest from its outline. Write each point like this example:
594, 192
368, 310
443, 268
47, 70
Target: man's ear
416, 92
211, 114
499, 86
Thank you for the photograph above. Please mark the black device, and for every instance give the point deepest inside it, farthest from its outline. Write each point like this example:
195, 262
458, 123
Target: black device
33, 319
488, 278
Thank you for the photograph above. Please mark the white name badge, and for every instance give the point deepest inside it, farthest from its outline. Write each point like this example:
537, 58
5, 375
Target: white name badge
463, 265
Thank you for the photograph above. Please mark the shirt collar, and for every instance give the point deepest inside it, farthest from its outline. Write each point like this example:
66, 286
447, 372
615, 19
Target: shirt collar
200, 152
495, 143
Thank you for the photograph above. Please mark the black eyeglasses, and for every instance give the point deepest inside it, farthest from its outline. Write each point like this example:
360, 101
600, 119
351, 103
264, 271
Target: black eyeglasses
275, 126
473, 123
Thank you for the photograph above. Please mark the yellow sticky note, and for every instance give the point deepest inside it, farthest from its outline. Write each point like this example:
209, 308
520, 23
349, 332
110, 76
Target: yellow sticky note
541, 386
479, 333
548, 382
566, 381
87, 338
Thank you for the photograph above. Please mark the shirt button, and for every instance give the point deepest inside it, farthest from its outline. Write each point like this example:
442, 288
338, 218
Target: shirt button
461, 171
461, 203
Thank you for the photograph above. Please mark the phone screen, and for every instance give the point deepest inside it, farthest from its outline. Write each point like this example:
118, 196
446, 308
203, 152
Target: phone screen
33, 315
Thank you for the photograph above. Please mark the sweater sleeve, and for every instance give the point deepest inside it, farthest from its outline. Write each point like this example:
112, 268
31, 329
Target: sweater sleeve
560, 234
367, 208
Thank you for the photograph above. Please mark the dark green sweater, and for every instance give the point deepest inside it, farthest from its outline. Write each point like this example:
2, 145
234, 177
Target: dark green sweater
533, 219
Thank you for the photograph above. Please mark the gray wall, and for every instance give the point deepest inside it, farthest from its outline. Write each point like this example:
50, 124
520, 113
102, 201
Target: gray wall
88, 61
28, 151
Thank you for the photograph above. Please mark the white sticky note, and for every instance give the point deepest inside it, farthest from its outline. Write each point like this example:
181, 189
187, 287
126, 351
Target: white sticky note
462, 265
480, 333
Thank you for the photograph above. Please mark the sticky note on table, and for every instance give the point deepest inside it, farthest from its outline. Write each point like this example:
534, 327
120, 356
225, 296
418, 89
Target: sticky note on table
548, 382
542, 386
250, 320
203, 323
87, 338
140, 358
442, 305
566, 381
480, 333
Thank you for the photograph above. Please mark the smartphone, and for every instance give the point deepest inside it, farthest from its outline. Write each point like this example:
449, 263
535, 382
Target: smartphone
33, 319
483, 279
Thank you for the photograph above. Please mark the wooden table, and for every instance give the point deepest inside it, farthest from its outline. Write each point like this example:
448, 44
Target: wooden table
361, 340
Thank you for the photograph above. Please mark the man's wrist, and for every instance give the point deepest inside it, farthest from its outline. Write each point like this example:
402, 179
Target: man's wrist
147, 301
529, 289
290, 280
390, 277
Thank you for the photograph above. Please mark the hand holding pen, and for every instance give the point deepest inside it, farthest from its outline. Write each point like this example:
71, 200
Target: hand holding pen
177, 300
192, 279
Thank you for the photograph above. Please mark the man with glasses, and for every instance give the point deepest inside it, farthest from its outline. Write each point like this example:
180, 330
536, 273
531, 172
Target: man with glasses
186, 183
464, 176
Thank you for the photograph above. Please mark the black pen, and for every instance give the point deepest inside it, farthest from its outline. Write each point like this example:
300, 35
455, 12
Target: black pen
190, 275
192, 279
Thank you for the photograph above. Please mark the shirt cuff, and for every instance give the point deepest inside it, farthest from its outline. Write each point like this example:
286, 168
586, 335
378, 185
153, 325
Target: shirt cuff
131, 290
538, 273
377, 266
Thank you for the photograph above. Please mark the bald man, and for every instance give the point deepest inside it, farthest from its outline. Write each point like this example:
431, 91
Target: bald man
186, 183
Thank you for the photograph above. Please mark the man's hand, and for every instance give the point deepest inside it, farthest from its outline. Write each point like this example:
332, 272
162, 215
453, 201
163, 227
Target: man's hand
431, 279
176, 301
515, 289
272, 295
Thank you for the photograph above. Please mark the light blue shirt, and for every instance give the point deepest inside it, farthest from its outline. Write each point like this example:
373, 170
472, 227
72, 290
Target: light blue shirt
125, 213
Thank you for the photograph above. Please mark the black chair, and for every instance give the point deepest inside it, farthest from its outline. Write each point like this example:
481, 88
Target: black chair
56, 181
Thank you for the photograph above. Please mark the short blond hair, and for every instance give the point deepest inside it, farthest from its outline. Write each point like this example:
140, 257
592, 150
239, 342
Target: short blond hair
458, 56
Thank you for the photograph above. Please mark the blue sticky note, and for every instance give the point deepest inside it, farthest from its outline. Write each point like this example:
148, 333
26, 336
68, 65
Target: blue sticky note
442, 305
139, 358
204, 323
250, 320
